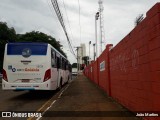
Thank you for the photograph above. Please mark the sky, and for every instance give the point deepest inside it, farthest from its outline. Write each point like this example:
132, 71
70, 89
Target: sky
38, 15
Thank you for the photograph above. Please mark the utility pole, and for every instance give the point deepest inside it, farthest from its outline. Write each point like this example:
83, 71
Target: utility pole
82, 54
89, 51
96, 18
94, 54
101, 8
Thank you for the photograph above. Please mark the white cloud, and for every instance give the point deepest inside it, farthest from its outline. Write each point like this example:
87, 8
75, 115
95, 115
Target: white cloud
119, 16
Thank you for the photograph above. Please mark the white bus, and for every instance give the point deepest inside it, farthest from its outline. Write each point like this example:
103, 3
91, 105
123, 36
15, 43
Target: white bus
34, 66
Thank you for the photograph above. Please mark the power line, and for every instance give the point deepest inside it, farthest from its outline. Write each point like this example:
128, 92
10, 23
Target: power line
60, 18
50, 7
54, 15
79, 19
68, 20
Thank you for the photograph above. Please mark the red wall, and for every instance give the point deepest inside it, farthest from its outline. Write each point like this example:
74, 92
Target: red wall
95, 71
132, 67
104, 76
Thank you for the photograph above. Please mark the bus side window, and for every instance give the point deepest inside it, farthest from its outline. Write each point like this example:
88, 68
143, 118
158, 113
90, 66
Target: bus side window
69, 66
66, 65
53, 62
63, 64
58, 62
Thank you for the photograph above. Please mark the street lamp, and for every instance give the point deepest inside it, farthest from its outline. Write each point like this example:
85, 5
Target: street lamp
96, 18
94, 55
89, 51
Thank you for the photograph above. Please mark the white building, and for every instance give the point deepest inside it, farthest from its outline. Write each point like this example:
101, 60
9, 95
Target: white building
81, 53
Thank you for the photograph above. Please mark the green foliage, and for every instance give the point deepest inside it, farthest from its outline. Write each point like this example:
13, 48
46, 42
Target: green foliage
85, 58
36, 36
6, 35
9, 35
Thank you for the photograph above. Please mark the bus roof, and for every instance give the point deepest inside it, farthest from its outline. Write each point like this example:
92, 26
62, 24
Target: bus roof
35, 43
21, 43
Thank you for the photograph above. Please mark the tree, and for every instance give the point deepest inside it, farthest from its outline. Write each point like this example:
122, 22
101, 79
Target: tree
9, 35
36, 36
139, 19
6, 35
85, 59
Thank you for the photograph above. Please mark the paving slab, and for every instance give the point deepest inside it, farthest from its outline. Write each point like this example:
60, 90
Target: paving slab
84, 100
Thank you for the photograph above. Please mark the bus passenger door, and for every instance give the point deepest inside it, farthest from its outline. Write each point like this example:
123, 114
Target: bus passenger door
58, 70
54, 72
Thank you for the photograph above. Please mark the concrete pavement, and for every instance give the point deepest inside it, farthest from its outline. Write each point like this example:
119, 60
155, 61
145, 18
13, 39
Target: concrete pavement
84, 100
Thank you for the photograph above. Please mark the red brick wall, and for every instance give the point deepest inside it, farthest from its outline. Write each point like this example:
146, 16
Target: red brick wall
135, 65
132, 67
95, 71
104, 76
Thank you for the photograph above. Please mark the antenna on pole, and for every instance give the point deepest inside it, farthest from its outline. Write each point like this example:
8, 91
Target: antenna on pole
139, 19
102, 35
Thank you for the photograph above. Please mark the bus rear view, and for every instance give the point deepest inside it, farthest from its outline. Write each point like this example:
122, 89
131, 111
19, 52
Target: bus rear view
26, 66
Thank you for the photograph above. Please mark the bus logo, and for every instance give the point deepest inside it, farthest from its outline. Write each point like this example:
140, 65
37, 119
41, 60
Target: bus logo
11, 68
26, 52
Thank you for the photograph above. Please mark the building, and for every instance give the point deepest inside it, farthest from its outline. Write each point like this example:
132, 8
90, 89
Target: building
81, 53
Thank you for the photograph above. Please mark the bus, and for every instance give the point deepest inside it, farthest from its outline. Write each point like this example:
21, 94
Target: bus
34, 66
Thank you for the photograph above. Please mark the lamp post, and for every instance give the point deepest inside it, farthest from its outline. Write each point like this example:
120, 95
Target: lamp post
94, 54
89, 51
96, 18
